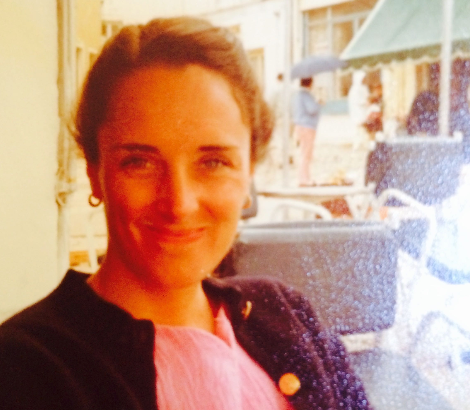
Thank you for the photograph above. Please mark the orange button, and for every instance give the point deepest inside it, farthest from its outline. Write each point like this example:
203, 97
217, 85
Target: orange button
289, 384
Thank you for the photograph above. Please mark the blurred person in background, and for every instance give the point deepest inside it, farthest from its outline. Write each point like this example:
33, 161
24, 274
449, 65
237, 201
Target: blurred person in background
276, 101
358, 106
305, 116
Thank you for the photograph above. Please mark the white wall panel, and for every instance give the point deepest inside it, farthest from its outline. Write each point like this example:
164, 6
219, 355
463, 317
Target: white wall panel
29, 129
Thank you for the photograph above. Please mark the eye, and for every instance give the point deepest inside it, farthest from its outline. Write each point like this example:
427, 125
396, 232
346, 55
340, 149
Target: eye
134, 162
216, 163
138, 165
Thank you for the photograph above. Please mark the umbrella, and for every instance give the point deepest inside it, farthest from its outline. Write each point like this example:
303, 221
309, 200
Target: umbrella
312, 65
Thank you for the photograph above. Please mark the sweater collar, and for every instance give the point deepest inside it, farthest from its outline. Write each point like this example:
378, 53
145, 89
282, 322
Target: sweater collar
81, 294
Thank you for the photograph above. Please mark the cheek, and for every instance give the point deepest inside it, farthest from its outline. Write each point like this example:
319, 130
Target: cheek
127, 198
228, 200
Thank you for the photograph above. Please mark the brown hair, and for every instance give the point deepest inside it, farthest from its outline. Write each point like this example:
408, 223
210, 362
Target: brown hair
177, 42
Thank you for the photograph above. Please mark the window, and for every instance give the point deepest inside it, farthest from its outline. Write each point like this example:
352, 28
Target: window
329, 30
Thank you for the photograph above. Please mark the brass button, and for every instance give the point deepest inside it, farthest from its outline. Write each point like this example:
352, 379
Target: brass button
289, 384
247, 309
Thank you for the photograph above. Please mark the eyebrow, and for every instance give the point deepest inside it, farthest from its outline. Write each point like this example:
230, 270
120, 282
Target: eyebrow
134, 147
152, 149
217, 148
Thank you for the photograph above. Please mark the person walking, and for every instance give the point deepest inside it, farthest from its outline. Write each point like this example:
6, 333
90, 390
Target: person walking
305, 116
276, 102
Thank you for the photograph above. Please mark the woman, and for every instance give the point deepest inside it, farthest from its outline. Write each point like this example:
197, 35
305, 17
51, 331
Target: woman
171, 123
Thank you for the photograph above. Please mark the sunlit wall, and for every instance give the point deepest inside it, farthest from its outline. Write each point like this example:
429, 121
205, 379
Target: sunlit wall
29, 128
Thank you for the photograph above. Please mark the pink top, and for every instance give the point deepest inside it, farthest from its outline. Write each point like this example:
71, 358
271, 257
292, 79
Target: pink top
199, 370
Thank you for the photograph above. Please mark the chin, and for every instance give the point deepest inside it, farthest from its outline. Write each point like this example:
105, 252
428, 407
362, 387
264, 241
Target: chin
171, 265
174, 273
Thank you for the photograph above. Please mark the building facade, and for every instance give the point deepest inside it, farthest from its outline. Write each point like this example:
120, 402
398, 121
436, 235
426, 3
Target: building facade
313, 26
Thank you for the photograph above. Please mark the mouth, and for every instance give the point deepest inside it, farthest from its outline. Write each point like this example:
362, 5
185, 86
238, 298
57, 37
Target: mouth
170, 234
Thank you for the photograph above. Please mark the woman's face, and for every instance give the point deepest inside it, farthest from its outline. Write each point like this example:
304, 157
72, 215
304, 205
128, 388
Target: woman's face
174, 173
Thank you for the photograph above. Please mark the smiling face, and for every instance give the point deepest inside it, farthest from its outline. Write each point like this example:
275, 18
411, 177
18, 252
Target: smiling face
174, 172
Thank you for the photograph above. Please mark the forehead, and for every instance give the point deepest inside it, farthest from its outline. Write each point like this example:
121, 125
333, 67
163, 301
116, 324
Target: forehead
173, 102
157, 88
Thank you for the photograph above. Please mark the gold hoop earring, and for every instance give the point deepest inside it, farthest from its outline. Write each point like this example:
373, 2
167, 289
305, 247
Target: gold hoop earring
94, 202
248, 202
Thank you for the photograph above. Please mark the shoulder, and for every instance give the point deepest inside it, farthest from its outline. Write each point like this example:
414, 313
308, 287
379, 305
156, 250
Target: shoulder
26, 337
50, 310
33, 317
45, 329
21, 335
48, 350
28, 362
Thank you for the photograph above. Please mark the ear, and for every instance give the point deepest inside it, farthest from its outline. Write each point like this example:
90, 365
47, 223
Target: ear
248, 202
92, 171
251, 179
251, 190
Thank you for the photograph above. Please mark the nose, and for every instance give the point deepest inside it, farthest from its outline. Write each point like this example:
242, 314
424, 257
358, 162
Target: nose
178, 195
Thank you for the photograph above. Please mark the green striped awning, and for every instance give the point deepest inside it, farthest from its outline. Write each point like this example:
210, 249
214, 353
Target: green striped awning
401, 29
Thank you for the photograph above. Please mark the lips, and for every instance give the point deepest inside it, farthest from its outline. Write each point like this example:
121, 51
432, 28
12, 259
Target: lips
174, 234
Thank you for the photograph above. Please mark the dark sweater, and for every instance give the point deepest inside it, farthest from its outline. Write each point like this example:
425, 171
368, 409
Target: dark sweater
73, 350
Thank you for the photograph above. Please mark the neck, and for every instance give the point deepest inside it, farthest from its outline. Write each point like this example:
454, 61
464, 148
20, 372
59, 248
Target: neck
185, 306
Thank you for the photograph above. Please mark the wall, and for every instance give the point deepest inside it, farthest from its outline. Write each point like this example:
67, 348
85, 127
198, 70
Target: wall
141, 11
262, 26
88, 23
144, 10
29, 128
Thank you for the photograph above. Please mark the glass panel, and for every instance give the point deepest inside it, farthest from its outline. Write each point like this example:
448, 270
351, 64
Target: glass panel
318, 39
342, 35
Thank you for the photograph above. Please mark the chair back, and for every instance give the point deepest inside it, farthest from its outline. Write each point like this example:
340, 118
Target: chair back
347, 269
